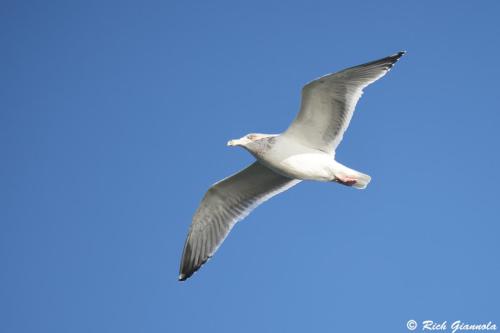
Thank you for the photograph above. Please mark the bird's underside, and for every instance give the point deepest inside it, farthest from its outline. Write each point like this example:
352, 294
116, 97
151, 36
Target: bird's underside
303, 152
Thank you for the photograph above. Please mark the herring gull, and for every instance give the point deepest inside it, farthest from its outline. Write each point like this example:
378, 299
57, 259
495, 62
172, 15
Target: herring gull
305, 151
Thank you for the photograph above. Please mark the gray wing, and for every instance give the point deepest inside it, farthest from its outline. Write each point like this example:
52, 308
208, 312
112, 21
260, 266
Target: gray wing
328, 103
224, 204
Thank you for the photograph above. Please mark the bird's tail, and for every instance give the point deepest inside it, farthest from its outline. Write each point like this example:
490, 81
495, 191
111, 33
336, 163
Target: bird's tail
362, 180
351, 177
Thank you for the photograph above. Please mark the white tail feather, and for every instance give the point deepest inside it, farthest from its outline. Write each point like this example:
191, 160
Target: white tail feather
343, 172
362, 180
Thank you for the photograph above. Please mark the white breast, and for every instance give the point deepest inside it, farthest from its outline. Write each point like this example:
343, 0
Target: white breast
294, 160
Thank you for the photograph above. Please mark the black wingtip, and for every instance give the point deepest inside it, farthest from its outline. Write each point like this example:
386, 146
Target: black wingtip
386, 63
186, 274
395, 57
188, 264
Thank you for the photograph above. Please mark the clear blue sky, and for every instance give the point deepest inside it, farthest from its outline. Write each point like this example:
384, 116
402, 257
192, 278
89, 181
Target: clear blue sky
114, 118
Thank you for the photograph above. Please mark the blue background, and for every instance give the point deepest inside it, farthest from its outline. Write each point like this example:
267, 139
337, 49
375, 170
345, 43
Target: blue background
114, 121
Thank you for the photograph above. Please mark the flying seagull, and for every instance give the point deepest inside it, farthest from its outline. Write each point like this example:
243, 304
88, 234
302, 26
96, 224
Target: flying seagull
305, 151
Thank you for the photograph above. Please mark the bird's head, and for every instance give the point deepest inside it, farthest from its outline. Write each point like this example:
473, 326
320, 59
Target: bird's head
248, 140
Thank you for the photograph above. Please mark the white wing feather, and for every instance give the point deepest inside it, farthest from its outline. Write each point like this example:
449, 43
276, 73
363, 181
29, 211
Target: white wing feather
224, 204
328, 103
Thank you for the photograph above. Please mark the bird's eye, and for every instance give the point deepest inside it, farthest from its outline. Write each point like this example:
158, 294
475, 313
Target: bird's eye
251, 137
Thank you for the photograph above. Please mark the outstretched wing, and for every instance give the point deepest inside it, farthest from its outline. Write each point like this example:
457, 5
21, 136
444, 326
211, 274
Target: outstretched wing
224, 204
328, 103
